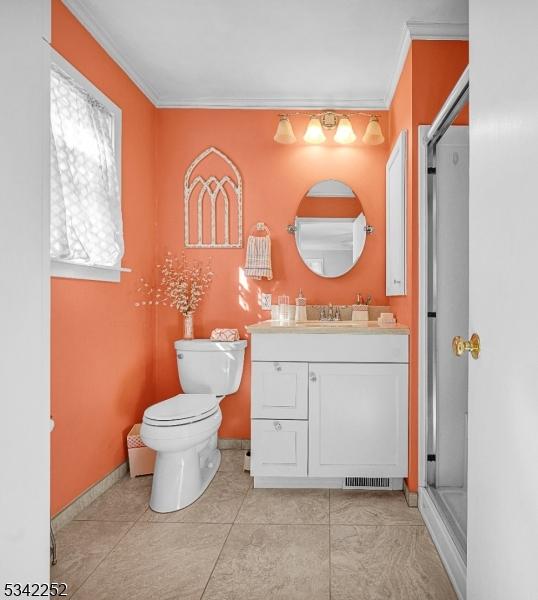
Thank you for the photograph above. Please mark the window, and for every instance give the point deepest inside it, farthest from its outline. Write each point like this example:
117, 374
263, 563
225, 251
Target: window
86, 232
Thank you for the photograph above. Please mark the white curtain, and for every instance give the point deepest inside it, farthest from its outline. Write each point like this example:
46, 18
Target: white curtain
86, 223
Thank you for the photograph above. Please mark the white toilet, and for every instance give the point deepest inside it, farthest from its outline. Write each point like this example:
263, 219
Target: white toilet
183, 429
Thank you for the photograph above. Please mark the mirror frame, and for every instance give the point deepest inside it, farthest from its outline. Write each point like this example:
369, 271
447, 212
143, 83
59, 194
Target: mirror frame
368, 229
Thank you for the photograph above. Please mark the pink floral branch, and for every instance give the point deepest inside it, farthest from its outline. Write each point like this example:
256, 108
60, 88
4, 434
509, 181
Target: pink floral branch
183, 284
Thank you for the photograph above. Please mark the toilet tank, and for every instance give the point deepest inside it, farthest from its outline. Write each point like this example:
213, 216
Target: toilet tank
209, 367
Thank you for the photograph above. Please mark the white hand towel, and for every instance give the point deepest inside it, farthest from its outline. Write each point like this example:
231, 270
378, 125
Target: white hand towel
258, 259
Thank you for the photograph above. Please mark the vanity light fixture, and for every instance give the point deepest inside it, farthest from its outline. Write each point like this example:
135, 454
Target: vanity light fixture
344, 132
328, 120
373, 136
314, 132
284, 131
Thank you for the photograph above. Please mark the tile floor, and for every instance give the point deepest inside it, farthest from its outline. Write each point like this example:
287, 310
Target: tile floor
237, 543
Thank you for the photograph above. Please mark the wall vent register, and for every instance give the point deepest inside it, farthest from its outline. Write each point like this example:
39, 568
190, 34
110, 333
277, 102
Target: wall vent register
367, 483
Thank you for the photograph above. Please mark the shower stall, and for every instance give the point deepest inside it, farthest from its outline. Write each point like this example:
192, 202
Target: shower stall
445, 314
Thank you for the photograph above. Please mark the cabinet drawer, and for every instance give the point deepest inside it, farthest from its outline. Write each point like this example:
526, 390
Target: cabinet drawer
279, 390
333, 347
279, 448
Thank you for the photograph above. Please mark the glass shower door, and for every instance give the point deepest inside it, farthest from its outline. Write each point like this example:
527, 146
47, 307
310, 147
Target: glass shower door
448, 315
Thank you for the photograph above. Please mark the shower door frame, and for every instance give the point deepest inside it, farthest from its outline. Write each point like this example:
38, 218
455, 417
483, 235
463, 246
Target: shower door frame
428, 137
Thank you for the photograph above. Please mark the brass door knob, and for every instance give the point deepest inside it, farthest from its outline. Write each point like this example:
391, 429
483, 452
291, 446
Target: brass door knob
459, 346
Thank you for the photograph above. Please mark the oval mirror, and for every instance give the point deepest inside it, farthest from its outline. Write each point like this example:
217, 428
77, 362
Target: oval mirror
330, 228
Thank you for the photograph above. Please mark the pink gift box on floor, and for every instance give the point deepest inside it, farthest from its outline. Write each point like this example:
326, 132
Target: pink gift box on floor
141, 458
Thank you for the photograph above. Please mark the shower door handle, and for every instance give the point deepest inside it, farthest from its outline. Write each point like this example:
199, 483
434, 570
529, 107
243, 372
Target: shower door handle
459, 345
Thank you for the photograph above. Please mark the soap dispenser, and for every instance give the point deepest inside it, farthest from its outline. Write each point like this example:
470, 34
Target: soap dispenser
300, 307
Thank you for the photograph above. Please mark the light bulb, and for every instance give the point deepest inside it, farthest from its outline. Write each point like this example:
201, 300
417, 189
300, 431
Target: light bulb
284, 131
314, 132
373, 135
344, 132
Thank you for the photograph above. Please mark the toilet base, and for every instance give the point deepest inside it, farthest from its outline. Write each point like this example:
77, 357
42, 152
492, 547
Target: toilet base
180, 478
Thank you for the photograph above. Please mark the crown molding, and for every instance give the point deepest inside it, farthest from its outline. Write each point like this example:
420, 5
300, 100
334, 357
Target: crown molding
275, 103
429, 30
105, 41
405, 44
422, 30
412, 30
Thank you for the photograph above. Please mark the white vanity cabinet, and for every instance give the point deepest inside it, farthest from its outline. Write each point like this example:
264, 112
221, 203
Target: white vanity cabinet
328, 406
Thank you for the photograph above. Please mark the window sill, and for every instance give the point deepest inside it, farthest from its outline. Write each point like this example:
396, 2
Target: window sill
69, 270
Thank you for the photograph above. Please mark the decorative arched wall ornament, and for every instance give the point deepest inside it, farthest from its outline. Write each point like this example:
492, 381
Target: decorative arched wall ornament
209, 191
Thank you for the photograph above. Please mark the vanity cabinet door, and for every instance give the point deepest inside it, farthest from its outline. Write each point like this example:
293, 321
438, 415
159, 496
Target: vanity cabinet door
279, 448
279, 390
358, 420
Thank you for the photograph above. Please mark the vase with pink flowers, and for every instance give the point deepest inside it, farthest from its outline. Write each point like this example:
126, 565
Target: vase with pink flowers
182, 285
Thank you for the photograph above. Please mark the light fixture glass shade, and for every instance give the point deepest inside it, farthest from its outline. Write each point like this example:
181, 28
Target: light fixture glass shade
284, 132
314, 132
344, 132
373, 135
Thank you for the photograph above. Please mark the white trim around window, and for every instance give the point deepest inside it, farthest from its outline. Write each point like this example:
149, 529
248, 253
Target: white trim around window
65, 268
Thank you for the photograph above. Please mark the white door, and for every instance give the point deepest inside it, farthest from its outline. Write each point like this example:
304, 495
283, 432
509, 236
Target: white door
502, 556
24, 292
357, 420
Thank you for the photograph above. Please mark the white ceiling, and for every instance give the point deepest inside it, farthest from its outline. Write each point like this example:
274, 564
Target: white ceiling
277, 53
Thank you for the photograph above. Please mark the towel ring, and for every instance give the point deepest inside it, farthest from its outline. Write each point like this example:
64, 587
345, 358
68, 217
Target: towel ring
260, 226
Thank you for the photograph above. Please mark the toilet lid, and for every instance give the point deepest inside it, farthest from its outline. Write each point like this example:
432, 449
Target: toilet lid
182, 406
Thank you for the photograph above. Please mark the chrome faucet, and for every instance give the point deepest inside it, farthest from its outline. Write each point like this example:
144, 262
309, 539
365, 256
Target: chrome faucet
329, 313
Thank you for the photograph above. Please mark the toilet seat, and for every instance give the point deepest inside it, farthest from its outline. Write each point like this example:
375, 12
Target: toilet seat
181, 410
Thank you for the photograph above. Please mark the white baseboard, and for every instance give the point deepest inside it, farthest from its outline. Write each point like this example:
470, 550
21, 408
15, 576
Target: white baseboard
332, 483
67, 514
299, 482
450, 556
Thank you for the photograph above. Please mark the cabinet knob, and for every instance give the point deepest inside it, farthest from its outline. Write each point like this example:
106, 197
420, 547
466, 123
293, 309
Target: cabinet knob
313, 377
277, 425
277, 367
180, 356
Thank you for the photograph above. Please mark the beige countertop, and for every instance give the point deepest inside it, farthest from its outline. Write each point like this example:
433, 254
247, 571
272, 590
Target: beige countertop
326, 327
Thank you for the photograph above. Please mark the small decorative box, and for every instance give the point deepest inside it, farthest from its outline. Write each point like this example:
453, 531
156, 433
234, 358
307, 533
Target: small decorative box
141, 458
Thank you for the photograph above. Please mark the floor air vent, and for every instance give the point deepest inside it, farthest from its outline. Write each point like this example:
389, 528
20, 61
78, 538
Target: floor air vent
367, 483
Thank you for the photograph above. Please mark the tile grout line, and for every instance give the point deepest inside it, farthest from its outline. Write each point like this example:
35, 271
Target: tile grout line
224, 544
133, 523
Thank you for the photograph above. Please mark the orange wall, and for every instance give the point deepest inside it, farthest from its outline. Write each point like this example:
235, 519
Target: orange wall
275, 179
110, 359
430, 72
102, 346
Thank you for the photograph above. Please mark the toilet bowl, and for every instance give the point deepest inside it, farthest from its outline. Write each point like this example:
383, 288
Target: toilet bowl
183, 429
